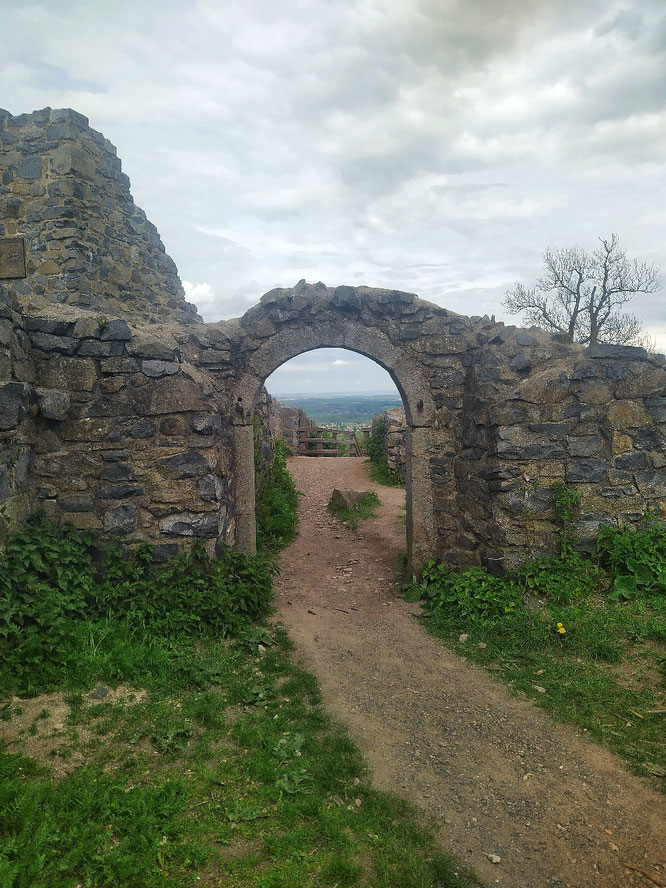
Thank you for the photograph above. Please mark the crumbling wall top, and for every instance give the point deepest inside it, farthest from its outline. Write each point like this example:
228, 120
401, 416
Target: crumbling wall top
67, 212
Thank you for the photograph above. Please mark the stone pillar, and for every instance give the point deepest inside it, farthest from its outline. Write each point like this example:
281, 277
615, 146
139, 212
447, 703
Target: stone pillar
246, 527
421, 528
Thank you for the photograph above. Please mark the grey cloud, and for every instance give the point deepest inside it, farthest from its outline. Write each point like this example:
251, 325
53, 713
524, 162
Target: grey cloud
433, 145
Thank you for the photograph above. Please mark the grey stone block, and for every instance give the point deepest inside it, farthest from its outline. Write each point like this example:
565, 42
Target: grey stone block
187, 524
30, 167
586, 471
117, 471
208, 488
626, 352
53, 404
93, 348
119, 491
13, 404
186, 465
521, 362
157, 369
632, 461
114, 455
5, 486
121, 519
206, 423
116, 329
75, 504
47, 325
46, 342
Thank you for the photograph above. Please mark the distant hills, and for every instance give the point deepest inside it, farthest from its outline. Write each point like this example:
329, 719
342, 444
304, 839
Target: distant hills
341, 409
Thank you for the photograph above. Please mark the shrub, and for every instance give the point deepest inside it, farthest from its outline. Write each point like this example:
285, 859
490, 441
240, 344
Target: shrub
51, 586
474, 595
636, 560
559, 579
276, 498
379, 468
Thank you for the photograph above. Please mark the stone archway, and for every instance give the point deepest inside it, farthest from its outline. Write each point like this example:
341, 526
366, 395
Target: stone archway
322, 318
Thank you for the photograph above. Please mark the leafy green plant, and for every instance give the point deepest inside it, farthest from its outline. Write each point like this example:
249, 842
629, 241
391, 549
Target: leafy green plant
636, 560
380, 472
565, 503
276, 497
55, 599
559, 579
473, 595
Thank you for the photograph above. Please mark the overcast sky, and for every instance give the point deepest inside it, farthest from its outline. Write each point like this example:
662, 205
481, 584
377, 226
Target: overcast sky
437, 146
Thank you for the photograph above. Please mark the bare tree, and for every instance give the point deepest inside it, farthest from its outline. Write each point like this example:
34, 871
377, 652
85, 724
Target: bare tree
581, 294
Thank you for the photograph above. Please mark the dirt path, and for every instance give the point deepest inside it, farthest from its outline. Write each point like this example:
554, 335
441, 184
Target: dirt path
499, 776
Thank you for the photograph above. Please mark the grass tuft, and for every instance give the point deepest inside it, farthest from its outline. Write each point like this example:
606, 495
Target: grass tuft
365, 508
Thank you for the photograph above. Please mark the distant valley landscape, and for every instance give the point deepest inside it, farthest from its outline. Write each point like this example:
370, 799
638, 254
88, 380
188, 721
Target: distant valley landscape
342, 409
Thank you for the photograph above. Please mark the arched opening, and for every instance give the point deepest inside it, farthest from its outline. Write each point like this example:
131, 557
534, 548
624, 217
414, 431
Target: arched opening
294, 339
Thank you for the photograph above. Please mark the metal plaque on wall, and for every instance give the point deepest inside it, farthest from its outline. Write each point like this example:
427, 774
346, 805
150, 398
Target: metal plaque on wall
12, 257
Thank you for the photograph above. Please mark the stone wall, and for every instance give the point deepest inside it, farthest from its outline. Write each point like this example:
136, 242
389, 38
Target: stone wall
287, 422
395, 444
86, 242
121, 434
121, 411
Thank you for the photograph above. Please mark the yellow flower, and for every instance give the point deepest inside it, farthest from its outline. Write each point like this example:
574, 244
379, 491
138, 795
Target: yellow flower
561, 630
559, 625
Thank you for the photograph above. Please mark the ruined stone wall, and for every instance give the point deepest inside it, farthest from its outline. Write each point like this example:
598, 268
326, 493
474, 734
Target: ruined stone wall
288, 420
86, 242
122, 412
122, 434
395, 444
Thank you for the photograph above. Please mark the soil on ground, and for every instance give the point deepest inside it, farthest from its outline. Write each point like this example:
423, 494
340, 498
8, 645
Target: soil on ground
500, 777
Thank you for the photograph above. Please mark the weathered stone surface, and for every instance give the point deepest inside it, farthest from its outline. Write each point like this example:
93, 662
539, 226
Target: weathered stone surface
96, 349
159, 410
651, 484
116, 329
208, 488
206, 424
46, 342
628, 415
347, 498
120, 520
52, 326
632, 461
119, 491
160, 368
586, 445
13, 403
68, 374
626, 352
76, 504
53, 404
114, 455
586, 470
153, 349
186, 465
185, 524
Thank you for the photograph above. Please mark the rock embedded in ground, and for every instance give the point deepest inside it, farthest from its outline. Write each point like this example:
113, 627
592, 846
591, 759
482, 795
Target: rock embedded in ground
347, 498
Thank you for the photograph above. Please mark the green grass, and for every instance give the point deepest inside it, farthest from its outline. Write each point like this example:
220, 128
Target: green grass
365, 508
381, 474
276, 498
209, 760
228, 771
605, 674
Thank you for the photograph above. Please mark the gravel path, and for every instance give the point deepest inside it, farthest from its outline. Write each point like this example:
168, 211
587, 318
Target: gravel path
500, 777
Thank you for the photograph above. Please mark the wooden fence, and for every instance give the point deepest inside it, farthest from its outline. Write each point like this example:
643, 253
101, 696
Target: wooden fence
315, 441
